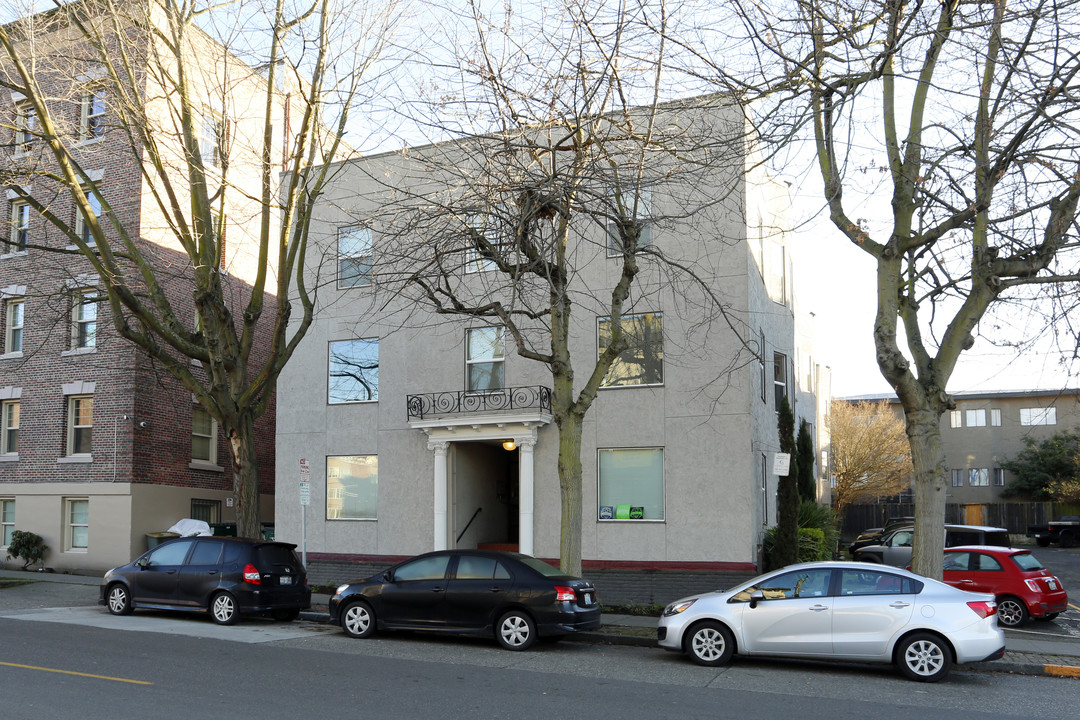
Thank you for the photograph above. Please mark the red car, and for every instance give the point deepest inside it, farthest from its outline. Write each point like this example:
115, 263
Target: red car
1023, 587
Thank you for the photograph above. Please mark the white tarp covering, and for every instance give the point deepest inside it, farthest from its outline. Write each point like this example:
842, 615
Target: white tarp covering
188, 527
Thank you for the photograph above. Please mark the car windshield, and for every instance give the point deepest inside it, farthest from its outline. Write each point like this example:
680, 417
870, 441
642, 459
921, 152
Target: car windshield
1027, 561
542, 567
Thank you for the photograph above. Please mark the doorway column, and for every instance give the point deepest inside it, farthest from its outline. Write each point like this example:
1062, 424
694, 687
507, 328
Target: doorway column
439, 449
525, 494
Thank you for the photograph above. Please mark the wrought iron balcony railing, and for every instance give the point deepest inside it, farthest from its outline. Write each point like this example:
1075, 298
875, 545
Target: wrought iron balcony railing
461, 402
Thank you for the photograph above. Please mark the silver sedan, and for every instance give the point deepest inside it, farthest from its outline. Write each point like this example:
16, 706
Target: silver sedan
839, 611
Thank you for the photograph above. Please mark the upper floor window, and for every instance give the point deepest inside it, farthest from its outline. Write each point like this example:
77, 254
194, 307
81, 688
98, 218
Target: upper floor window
203, 436
210, 141
976, 418
354, 256
92, 115
995, 417
84, 313
484, 359
83, 227
20, 227
635, 206
761, 368
486, 235
80, 424
642, 362
353, 371
780, 379
9, 427
26, 127
957, 478
1038, 416
14, 317
999, 477
979, 477
956, 418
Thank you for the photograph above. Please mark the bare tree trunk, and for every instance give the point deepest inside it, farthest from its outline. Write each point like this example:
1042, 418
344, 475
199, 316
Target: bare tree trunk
928, 457
245, 477
569, 423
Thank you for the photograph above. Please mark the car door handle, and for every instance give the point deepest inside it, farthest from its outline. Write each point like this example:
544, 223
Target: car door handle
819, 608
170, 572
899, 604
496, 589
211, 572
967, 582
436, 589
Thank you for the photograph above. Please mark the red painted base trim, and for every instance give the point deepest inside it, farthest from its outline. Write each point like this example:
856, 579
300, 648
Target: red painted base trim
655, 566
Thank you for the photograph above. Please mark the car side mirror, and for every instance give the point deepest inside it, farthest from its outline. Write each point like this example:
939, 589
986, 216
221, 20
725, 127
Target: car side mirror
755, 596
142, 563
388, 576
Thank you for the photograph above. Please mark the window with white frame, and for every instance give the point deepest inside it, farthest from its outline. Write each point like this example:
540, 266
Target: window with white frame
84, 315
210, 141
642, 362
780, 377
1038, 416
20, 227
486, 235
957, 478
956, 419
14, 317
995, 417
999, 477
82, 227
92, 115
484, 359
632, 210
761, 368
353, 371
9, 427
631, 484
976, 418
355, 248
76, 524
979, 477
352, 487
26, 127
80, 424
203, 436
7, 520
764, 490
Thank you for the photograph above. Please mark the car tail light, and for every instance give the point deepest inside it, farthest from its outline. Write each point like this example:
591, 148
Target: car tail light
564, 593
252, 575
983, 608
1033, 585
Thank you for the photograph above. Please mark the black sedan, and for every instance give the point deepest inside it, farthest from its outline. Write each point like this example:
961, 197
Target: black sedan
516, 597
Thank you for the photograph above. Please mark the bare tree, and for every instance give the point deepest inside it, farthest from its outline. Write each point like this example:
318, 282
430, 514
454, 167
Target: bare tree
964, 117
213, 101
558, 163
870, 452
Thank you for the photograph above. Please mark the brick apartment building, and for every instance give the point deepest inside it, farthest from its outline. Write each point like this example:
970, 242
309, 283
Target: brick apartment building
99, 447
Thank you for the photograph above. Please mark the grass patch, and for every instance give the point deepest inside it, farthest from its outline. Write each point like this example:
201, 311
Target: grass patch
638, 609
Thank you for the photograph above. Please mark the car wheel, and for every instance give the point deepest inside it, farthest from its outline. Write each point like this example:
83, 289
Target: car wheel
223, 609
924, 657
515, 631
358, 620
710, 643
1047, 617
118, 599
1011, 611
285, 615
1042, 542
1067, 539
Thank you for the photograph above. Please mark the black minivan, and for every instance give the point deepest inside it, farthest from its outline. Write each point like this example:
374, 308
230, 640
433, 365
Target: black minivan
223, 576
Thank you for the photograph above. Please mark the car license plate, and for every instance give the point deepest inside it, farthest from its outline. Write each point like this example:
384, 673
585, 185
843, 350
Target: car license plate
588, 598
1052, 584
285, 580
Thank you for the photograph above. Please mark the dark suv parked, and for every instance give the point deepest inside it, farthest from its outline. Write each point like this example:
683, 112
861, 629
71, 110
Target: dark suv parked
223, 576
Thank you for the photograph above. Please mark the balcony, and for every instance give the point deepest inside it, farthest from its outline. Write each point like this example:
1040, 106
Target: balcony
424, 406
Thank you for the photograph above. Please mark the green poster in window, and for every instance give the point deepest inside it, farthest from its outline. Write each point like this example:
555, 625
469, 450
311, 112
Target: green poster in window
637, 513
622, 512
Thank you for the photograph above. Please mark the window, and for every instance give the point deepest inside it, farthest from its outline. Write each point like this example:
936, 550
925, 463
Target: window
354, 257
26, 127
637, 207
352, 487
484, 228
83, 228
1038, 416
80, 424
642, 363
780, 390
484, 355
9, 418
957, 478
20, 227
169, 555
77, 523
209, 511
206, 552
7, 520
764, 490
84, 313
986, 563
956, 419
13, 325
92, 120
428, 568
790, 585
976, 418
872, 582
203, 436
995, 417
353, 371
999, 477
979, 477
761, 369
210, 143
631, 484
471, 567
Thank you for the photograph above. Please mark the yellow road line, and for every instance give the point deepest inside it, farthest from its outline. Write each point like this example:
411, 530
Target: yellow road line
1062, 670
81, 674
1074, 607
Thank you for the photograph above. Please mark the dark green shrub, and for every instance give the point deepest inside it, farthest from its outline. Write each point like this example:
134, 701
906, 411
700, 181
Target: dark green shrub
28, 546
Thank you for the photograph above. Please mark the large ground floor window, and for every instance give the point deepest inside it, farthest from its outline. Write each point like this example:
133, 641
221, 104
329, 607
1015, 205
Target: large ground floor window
631, 484
352, 487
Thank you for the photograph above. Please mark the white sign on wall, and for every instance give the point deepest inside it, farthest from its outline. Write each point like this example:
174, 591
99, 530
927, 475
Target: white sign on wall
781, 464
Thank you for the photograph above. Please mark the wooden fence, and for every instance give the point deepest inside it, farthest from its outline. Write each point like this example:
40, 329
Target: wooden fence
1015, 516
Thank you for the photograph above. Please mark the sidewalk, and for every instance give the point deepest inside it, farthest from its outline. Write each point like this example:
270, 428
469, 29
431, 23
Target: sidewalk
1028, 652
